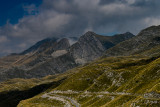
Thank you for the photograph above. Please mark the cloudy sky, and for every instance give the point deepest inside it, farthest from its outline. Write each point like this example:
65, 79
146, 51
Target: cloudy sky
24, 22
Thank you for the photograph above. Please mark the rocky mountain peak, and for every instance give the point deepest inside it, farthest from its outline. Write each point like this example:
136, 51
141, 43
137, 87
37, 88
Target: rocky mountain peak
38, 45
150, 31
88, 34
128, 34
62, 44
63, 40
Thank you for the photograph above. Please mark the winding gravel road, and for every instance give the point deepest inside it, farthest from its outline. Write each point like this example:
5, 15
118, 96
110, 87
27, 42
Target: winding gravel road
69, 102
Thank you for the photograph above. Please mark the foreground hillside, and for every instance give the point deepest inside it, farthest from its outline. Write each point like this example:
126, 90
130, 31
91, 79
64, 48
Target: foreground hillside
127, 81
14, 90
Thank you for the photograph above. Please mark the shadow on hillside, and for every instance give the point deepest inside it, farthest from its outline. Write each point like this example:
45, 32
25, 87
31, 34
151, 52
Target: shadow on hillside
12, 98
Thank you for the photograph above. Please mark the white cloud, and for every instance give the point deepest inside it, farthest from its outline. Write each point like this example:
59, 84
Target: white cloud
75, 17
130, 1
152, 21
3, 39
23, 45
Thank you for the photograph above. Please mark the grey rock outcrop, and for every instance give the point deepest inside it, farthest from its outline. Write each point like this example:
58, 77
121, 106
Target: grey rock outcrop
53, 56
87, 48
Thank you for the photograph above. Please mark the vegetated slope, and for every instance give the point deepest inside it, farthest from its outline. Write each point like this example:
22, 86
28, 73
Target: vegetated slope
110, 81
119, 80
110, 41
51, 56
14, 90
145, 40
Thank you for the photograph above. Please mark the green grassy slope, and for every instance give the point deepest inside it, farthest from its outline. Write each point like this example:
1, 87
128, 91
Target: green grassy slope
126, 76
126, 81
14, 90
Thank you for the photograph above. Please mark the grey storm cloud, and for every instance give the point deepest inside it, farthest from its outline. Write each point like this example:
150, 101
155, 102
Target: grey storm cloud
56, 18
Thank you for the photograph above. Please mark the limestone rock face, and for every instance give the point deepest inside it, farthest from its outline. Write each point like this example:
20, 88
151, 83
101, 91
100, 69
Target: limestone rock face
87, 48
58, 53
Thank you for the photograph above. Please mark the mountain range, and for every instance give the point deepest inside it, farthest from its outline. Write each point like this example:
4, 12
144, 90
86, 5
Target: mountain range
93, 71
57, 55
